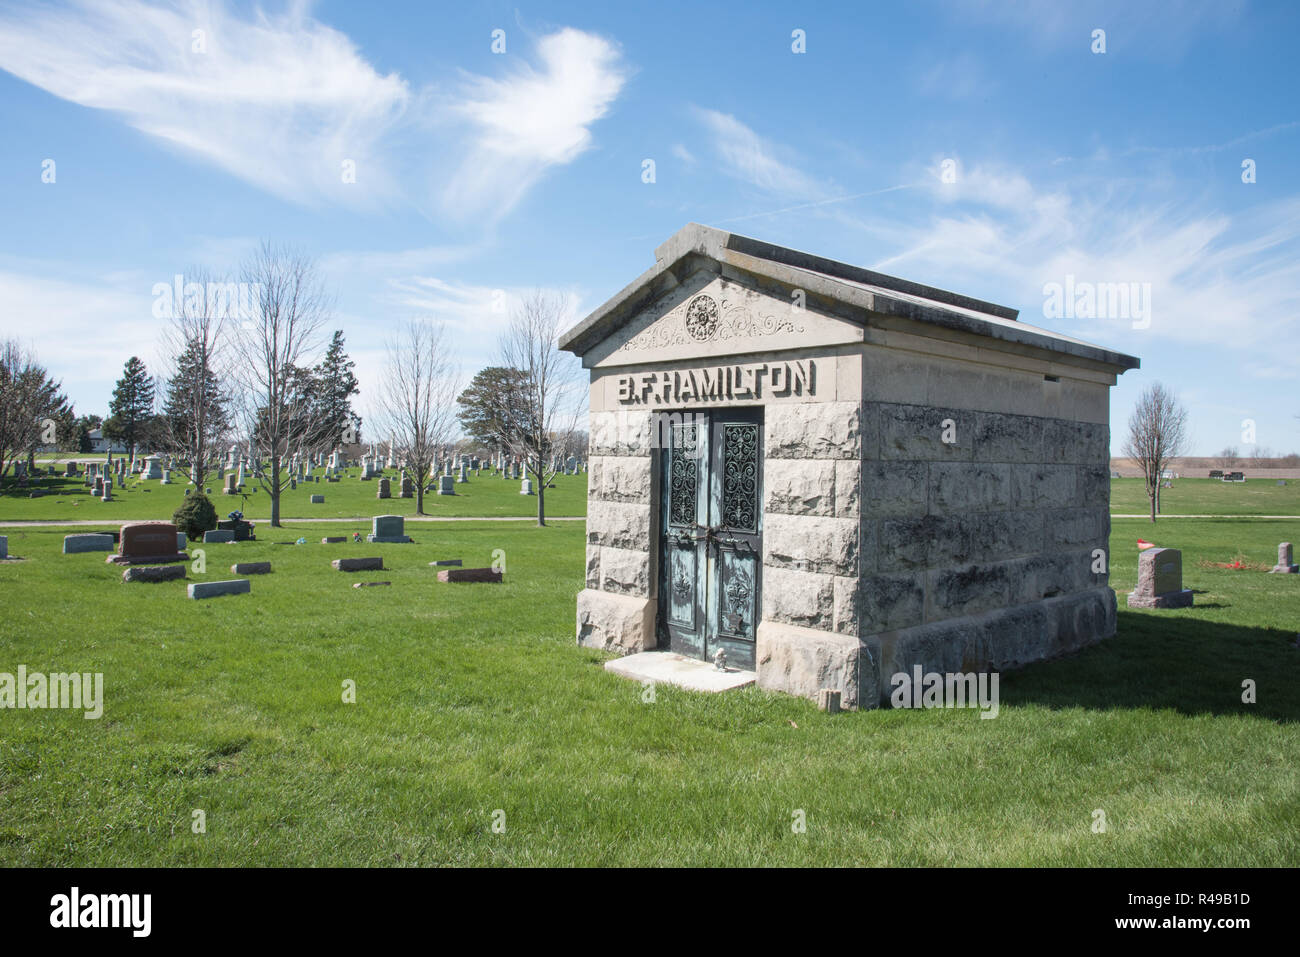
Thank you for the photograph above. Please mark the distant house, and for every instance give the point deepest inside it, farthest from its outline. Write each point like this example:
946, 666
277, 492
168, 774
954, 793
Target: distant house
100, 444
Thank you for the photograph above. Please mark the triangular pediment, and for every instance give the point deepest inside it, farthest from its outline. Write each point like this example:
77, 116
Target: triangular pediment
709, 314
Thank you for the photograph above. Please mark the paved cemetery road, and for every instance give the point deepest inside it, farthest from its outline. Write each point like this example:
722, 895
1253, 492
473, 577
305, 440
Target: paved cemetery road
312, 521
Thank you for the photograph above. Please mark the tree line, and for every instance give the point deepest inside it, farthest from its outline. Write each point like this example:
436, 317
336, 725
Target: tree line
250, 371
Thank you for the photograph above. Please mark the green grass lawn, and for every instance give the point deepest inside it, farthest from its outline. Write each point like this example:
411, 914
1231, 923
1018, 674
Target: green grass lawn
1209, 497
474, 698
482, 496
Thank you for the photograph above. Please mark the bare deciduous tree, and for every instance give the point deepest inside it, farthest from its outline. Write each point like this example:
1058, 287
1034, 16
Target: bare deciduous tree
272, 346
549, 387
195, 421
1227, 457
27, 394
417, 399
1157, 432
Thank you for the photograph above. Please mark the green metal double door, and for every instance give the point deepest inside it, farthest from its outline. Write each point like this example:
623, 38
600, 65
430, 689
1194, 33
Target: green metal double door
711, 534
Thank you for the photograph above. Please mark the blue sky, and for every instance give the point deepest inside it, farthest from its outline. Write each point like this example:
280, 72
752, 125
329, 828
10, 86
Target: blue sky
479, 171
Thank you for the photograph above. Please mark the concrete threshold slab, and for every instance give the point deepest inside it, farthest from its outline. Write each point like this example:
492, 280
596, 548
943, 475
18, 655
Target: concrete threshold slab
670, 668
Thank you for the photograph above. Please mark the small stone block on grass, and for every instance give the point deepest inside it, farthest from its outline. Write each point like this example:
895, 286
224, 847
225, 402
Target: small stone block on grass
153, 573
75, 544
368, 584
238, 586
218, 536
828, 700
318, 500
358, 564
251, 568
470, 575
333, 539
446, 561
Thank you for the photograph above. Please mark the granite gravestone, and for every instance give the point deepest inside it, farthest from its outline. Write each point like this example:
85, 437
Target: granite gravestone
1160, 580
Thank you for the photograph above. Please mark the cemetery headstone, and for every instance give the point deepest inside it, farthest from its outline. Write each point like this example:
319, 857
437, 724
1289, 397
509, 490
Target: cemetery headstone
239, 586
98, 542
526, 487
387, 528
232, 486
446, 485
318, 500
408, 488
1286, 564
251, 568
1160, 580
383, 490
4, 546
218, 536
153, 573
147, 543
470, 575
358, 564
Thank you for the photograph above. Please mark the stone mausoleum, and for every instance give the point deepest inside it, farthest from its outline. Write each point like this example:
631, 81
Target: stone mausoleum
834, 475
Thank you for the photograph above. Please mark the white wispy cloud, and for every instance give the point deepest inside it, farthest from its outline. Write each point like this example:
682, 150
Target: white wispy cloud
534, 118
752, 159
1228, 279
291, 105
277, 100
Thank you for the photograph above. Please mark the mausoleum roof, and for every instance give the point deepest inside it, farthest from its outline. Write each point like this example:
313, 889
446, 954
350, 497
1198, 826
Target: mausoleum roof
867, 291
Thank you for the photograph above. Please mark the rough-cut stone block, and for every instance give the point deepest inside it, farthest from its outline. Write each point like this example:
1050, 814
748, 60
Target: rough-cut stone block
969, 590
1043, 486
593, 566
218, 536
890, 601
811, 543
620, 478
625, 571
75, 544
470, 575
999, 639
1066, 442
814, 430
848, 488
619, 524
799, 598
1065, 527
894, 489
251, 568
621, 432
847, 604
1092, 486
802, 661
800, 487
153, 573
917, 433
239, 586
960, 487
1008, 438
358, 564
617, 623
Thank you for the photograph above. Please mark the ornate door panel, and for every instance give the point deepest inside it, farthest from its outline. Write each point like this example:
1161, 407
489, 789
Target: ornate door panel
683, 551
711, 536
